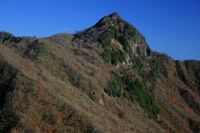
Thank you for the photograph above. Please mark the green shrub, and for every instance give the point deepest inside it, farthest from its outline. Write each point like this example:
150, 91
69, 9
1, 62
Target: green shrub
115, 86
125, 41
130, 31
137, 63
106, 38
107, 55
113, 56
117, 56
146, 100
144, 96
115, 32
136, 89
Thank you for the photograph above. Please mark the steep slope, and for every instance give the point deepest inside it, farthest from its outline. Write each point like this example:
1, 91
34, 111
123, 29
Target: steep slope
103, 79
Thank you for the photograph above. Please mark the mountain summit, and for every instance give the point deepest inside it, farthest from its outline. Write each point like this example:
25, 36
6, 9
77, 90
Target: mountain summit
109, 20
113, 37
103, 79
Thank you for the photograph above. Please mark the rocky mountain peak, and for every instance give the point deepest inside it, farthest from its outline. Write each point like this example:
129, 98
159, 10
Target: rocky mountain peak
112, 20
114, 16
117, 40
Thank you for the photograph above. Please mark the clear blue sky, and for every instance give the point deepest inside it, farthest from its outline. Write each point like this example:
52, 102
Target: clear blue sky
170, 26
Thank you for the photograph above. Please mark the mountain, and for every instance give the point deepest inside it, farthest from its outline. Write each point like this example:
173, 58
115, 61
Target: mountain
105, 79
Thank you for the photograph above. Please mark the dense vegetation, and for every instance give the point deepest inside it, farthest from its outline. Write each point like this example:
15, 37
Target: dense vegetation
115, 86
113, 55
122, 83
110, 54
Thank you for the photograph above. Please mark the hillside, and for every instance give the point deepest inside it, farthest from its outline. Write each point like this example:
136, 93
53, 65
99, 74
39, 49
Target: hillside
105, 79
